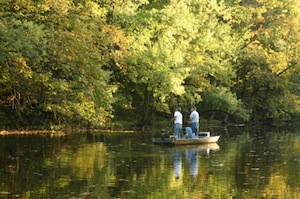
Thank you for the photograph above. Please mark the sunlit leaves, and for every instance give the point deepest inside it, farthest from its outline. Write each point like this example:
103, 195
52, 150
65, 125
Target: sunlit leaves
23, 47
57, 68
78, 59
65, 59
270, 58
157, 51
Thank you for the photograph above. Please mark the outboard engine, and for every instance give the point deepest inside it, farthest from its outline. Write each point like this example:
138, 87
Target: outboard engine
163, 134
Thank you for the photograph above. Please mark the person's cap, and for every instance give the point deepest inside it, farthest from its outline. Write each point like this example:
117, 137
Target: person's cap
179, 109
193, 107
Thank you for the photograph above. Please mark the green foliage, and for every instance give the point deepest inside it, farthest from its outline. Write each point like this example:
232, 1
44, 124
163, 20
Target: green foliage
56, 71
23, 47
221, 99
82, 62
269, 59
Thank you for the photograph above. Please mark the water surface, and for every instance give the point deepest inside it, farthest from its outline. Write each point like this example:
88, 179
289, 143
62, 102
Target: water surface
244, 164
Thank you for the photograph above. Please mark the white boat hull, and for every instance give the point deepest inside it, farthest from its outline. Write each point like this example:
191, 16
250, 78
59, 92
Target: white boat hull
185, 141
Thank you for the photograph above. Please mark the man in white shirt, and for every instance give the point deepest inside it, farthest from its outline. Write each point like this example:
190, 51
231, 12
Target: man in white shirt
177, 122
194, 120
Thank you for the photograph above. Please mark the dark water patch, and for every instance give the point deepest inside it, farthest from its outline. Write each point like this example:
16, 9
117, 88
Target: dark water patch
243, 164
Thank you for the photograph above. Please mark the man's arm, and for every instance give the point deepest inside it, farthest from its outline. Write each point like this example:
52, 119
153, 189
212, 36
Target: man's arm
174, 118
190, 119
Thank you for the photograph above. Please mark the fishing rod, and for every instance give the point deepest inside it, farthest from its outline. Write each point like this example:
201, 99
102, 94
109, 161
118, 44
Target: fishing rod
170, 129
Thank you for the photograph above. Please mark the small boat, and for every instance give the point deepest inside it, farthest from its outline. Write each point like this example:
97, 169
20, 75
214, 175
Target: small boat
203, 138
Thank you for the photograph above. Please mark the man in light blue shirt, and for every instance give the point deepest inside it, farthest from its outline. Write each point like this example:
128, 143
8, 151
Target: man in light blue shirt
194, 120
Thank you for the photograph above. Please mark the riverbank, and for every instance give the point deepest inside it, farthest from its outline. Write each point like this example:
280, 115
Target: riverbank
60, 132
29, 132
130, 127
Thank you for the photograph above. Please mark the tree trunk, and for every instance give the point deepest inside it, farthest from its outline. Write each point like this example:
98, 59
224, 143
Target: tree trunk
146, 108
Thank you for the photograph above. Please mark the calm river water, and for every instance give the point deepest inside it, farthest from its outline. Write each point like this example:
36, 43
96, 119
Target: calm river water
245, 163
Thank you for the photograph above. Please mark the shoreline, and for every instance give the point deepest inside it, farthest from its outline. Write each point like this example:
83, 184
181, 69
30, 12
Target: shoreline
28, 132
65, 131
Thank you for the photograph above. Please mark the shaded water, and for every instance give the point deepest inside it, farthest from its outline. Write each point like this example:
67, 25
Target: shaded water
244, 164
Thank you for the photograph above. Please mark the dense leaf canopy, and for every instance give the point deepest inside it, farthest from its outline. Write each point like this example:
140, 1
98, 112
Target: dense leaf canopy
84, 62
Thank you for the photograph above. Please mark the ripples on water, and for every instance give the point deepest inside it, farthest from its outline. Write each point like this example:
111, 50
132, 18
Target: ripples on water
127, 165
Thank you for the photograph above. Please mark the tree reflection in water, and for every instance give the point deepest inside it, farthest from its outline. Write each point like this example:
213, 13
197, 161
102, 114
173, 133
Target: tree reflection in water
120, 165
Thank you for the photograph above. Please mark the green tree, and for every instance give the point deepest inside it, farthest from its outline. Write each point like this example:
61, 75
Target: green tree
78, 61
180, 50
53, 62
156, 56
23, 49
270, 59
213, 53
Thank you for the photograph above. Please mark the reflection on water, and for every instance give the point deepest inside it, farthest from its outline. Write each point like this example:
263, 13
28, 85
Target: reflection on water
243, 164
177, 163
191, 157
